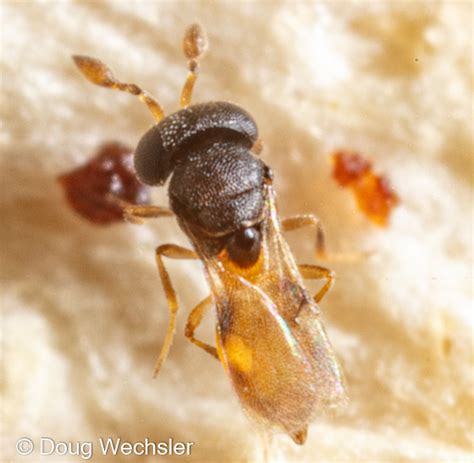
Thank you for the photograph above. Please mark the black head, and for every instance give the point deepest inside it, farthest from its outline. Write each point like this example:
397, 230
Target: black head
169, 142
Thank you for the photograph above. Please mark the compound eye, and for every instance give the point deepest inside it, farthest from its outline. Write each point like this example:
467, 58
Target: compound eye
152, 162
243, 246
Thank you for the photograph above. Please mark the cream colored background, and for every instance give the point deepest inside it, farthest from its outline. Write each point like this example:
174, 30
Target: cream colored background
83, 311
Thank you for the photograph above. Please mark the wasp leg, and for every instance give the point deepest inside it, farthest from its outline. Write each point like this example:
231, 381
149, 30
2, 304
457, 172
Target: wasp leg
194, 47
299, 221
100, 74
193, 322
315, 272
135, 214
174, 252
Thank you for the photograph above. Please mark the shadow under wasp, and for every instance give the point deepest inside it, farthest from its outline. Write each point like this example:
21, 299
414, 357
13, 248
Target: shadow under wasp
269, 337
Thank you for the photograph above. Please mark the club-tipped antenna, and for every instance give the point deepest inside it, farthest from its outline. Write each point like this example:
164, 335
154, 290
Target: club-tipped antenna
194, 46
100, 74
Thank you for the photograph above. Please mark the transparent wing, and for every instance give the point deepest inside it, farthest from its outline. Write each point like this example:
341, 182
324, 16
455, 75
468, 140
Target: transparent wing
269, 336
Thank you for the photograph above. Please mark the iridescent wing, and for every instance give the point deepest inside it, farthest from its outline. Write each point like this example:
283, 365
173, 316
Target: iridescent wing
269, 336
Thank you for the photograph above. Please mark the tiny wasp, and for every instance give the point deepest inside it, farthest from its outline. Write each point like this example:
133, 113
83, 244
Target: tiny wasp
269, 337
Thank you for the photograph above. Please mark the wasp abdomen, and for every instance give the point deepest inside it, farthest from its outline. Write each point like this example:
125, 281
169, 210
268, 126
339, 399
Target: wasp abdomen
172, 139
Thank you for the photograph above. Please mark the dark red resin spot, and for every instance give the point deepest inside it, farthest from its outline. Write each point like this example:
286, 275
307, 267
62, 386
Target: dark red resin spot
90, 189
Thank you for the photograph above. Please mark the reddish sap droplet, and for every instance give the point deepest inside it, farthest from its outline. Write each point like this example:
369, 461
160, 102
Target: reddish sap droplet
91, 188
